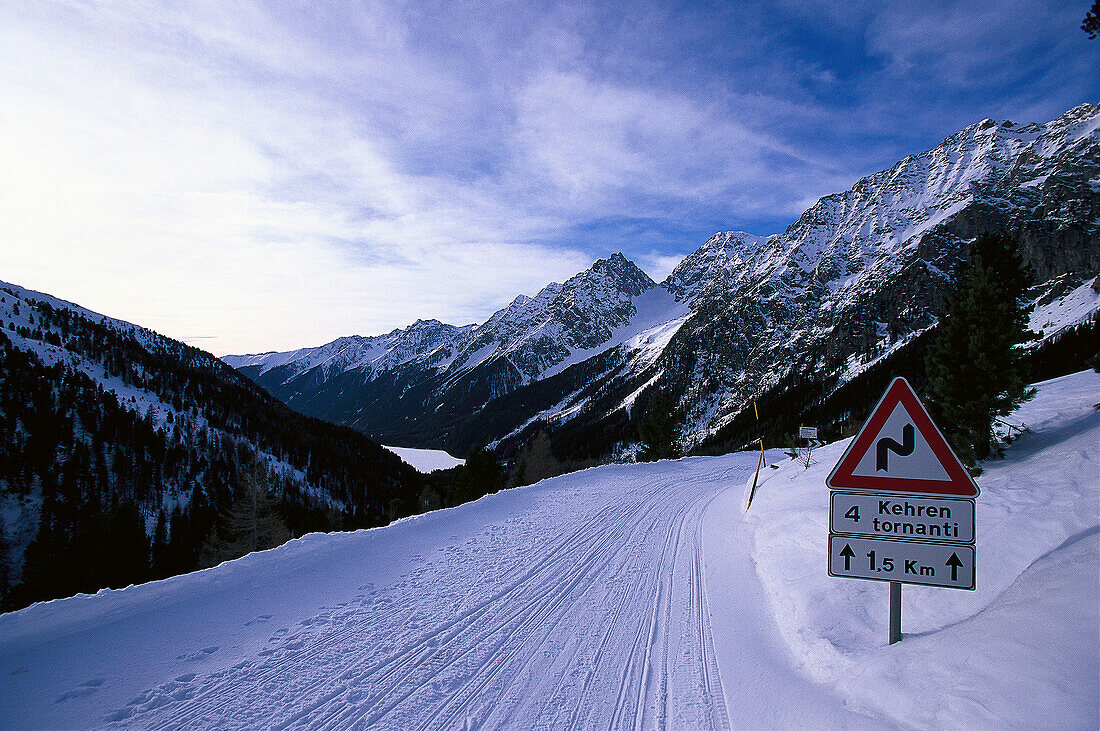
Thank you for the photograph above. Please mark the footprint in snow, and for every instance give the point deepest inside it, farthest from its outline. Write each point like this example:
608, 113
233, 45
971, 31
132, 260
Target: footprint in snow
86, 688
258, 620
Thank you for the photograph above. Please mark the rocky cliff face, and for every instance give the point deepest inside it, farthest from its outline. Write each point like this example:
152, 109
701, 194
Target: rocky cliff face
863, 270
535, 334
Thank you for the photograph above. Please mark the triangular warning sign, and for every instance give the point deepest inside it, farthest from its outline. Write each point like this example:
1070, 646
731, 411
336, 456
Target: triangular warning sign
899, 449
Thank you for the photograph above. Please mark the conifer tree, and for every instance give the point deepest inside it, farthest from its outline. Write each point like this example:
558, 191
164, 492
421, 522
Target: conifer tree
1091, 23
481, 475
657, 428
123, 550
536, 462
159, 559
975, 367
251, 524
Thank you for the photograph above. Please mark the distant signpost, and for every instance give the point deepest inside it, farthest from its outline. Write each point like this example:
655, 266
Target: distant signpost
902, 509
809, 433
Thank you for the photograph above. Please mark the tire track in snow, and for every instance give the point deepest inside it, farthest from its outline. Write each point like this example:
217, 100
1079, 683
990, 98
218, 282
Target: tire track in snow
530, 617
228, 685
552, 585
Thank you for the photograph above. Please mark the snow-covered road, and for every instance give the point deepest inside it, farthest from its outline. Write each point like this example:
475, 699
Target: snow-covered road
589, 611
580, 604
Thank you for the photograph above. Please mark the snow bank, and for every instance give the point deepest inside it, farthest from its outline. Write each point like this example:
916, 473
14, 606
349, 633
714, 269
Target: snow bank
1021, 648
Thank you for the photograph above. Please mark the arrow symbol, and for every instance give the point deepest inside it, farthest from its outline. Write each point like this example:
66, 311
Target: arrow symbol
902, 449
954, 563
847, 553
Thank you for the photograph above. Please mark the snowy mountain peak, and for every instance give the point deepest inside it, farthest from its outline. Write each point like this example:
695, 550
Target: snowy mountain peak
615, 272
1077, 122
440, 364
866, 268
429, 340
737, 243
425, 325
886, 211
535, 334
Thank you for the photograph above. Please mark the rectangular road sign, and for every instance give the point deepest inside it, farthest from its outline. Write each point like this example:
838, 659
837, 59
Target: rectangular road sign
807, 432
910, 562
942, 519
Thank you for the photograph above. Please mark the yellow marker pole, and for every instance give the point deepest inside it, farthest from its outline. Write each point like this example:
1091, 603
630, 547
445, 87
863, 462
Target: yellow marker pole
761, 437
759, 462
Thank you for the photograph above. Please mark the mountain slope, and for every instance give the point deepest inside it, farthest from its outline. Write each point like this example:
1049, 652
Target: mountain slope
863, 273
624, 596
863, 270
422, 398
428, 341
114, 437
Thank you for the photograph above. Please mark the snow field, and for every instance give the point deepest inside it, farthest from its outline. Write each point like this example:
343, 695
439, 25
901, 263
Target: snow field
639, 596
426, 460
577, 602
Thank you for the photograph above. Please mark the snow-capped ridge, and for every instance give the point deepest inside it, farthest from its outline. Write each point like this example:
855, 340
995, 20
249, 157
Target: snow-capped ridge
579, 314
856, 276
725, 256
529, 339
864, 269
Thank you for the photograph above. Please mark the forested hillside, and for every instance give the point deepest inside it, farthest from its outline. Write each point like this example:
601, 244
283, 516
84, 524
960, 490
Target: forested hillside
126, 456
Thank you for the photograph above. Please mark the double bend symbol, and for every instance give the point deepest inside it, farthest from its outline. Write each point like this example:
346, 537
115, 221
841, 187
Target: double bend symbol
902, 449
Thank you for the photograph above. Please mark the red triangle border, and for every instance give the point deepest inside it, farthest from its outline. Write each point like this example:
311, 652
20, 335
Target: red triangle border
959, 484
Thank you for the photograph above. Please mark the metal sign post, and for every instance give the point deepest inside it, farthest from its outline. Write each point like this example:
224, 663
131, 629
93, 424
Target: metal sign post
895, 612
902, 506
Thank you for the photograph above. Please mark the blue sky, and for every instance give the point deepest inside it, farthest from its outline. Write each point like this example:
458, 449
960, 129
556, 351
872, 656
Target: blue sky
263, 176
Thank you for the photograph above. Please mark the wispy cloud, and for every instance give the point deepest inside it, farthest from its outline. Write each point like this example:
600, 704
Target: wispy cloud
278, 177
